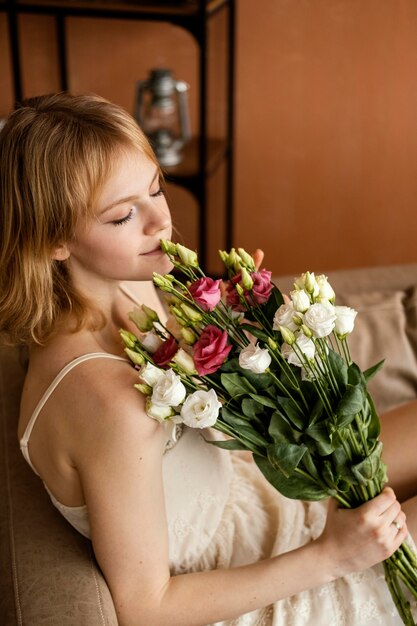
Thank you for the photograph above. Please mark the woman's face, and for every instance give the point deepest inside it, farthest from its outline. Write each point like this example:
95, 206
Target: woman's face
131, 216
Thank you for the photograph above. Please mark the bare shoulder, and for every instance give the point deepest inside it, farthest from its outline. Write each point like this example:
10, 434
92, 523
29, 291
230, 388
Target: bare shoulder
106, 406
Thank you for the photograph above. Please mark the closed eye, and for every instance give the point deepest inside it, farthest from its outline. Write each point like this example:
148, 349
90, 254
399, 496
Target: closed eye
160, 192
123, 220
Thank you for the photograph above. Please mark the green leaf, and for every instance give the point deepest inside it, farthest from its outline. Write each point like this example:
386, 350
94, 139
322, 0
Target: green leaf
291, 411
374, 426
230, 444
316, 412
232, 418
274, 302
351, 402
280, 430
320, 434
285, 456
264, 400
236, 385
298, 486
259, 381
369, 468
371, 371
339, 369
250, 408
355, 376
259, 333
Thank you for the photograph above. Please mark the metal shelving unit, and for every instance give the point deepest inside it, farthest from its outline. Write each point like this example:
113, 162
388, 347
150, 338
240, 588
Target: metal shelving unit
203, 155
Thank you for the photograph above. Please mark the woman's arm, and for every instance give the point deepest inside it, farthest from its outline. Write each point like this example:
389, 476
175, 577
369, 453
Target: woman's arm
119, 460
399, 436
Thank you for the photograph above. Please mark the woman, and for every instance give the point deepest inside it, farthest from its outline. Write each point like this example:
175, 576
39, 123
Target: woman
184, 533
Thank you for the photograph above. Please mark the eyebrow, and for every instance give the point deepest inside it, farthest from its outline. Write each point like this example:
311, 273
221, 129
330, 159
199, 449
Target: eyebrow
127, 198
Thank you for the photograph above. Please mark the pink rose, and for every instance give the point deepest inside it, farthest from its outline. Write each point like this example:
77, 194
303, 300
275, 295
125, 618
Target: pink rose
262, 286
211, 350
260, 292
165, 353
206, 292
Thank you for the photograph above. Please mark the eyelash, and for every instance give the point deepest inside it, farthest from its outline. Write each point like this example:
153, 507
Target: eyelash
129, 216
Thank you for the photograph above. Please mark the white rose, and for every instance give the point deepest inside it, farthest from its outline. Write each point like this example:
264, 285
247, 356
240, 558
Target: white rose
150, 374
157, 411
185, 361
284, 317
326, 290
169, 390
151, 341
320, 319
304, 344
300, 299
345, 320
255, 359
201, 409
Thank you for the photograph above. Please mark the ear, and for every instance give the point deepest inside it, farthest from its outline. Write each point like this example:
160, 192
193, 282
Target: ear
61, 253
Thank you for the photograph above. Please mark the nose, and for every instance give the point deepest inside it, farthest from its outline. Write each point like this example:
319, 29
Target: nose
157, 220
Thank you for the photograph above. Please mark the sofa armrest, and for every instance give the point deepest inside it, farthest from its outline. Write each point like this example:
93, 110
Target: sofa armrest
48, 574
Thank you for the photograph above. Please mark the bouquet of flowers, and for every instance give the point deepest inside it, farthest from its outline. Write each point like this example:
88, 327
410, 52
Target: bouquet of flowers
275, 377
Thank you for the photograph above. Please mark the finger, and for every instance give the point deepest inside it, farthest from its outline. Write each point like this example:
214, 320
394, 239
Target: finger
258, 257
390, 514
380, 503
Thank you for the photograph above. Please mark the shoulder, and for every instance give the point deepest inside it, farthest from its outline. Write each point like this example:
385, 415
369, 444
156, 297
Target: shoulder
104, 412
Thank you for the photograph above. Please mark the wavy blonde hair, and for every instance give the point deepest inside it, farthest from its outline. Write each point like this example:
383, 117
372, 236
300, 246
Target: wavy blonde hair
55, 154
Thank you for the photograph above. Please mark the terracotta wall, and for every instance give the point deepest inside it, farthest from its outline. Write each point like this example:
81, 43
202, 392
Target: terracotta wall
326, 120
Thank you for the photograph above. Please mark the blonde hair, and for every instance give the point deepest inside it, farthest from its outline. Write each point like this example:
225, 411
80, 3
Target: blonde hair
55, 154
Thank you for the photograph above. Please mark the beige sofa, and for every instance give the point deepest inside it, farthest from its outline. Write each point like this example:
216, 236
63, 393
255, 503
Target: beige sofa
48, 575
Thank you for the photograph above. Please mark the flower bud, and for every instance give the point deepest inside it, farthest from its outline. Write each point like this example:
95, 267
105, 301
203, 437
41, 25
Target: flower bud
301, 300
307, 332
161, 281
189, 336
287, 335
168, 247
190, 313
188, 257
246, 280
224, 257
239, 290
325, 289
129, 339
272, 344
141, 319
146, 390
234, 260
247, 259
185, 362
158, 412
179, 315
297, 319
135, 357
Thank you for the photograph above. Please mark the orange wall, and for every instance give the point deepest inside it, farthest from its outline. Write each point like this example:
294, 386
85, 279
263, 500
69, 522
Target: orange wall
326, 119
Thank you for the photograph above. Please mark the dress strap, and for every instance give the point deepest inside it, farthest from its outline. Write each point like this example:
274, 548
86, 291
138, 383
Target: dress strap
54, 384
129, 293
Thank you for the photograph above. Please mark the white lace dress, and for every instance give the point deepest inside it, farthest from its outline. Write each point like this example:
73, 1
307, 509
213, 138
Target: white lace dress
222, 513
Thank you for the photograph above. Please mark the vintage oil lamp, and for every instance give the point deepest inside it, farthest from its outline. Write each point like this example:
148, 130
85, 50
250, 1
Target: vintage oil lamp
161, 109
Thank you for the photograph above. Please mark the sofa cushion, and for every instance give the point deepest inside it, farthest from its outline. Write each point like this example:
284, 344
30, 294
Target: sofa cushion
48, 574
386, 329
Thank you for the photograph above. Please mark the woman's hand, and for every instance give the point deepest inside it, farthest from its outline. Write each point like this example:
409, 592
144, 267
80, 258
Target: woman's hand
355, 539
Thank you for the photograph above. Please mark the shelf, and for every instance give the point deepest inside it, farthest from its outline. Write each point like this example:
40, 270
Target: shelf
189, 168
187, 9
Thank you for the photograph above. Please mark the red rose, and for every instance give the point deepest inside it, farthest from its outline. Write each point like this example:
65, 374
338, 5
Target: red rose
232, 297
211, 350
165, 353
262, 286
206, 292
260, 292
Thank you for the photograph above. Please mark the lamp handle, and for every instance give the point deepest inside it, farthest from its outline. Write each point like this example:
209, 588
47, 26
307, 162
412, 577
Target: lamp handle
141, 86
